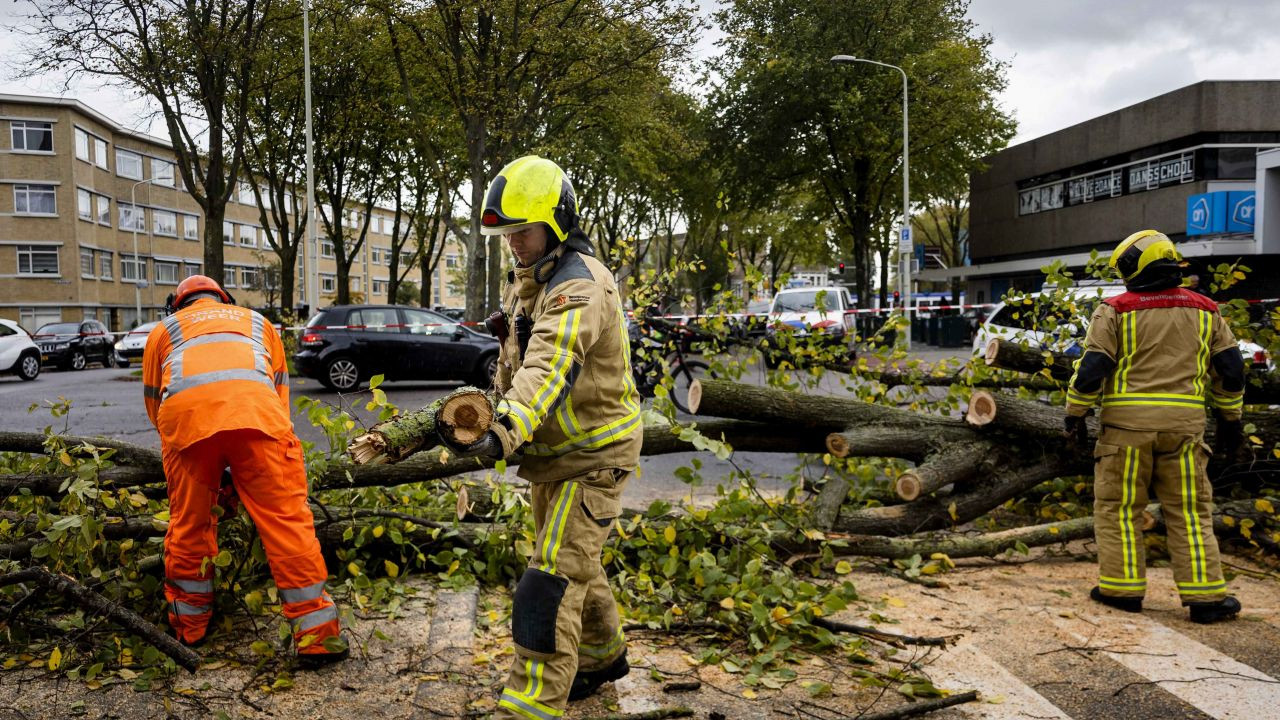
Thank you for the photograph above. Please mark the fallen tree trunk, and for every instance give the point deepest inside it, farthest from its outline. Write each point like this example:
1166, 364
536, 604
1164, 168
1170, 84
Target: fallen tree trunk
64, 587
1010, 355
463, 416
946, 467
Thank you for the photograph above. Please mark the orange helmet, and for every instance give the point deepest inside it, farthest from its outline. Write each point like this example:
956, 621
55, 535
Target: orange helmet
197, 284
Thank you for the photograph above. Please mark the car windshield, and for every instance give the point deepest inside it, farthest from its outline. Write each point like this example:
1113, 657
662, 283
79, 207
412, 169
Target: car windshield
59, 329
143, 329
805, 301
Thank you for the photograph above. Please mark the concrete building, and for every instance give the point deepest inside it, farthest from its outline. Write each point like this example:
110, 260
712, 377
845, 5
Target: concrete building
67, 226
1189, 163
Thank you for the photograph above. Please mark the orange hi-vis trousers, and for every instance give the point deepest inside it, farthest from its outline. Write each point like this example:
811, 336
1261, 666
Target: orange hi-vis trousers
271, 480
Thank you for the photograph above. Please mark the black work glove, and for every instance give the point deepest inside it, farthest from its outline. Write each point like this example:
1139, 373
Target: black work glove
1228, 438
1076, 430
488, 446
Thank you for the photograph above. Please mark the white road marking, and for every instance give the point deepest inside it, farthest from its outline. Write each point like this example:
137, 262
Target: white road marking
1200, 676
965, 667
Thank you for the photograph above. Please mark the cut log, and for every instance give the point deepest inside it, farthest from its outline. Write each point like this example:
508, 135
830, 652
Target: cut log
826, 506
1025, 418
907, 443
1011, 355
465, 416
64, 587
951, 465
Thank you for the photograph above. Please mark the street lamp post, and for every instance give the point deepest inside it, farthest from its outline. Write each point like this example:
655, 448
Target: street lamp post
137, 274
904, 255
313, 267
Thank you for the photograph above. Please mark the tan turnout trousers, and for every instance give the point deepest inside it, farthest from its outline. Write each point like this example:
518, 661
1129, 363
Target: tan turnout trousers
564, 617
1129, 465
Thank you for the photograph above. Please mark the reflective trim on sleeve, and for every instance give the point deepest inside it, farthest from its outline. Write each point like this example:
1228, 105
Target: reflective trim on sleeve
1226, 402
282, 377
1081, 398
522, 416
596, 438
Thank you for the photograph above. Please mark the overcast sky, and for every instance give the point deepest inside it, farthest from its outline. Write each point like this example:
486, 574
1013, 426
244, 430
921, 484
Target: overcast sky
1069, 60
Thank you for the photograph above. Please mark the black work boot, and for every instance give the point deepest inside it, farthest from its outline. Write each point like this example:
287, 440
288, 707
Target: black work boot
585, 684
314, 661
1127, 604
1210, 612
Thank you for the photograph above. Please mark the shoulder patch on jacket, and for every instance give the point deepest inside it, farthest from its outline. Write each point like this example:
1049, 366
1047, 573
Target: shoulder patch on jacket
569, 267
1171, 298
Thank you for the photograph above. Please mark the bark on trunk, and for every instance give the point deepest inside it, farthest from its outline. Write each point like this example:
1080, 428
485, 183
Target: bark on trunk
1008, 355
952, 465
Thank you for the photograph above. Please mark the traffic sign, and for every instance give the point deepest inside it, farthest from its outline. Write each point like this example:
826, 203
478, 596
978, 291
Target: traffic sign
904, 241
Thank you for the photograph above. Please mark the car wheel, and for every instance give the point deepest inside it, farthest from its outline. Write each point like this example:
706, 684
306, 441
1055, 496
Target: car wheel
78, 360
109, 360
488, 370
29, 367
341, 374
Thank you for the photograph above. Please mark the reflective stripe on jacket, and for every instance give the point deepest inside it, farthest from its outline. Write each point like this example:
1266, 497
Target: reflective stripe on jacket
571, 402
1162, 344
212, 367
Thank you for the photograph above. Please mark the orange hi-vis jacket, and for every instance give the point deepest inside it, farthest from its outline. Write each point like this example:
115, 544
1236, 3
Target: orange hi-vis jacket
212, 367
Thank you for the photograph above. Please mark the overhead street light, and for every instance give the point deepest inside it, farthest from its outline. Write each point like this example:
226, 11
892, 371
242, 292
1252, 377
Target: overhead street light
138, 282
904, 241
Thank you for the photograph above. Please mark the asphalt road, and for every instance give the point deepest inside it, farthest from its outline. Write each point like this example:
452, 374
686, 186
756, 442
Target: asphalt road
108, 402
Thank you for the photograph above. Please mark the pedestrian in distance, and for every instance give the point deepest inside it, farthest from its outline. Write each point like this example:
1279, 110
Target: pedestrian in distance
216, 387
1154, 356
570, 404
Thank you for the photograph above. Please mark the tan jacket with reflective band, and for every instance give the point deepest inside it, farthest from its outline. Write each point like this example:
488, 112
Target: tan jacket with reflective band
1162, 343
212, 367
572, 403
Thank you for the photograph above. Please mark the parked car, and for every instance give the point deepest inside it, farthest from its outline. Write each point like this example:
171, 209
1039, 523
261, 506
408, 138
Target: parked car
72, 346
18, 353
130, 345
455, 314
1030, 325
820, 312
345, 344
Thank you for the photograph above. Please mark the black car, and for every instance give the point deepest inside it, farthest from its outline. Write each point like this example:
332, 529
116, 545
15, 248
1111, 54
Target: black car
71, 345
345, 344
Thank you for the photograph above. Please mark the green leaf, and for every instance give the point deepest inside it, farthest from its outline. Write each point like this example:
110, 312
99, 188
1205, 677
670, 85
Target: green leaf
375, 381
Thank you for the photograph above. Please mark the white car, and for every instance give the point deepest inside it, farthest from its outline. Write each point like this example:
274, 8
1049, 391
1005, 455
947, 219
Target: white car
18, 353
1002, 324
824, 312
130, 345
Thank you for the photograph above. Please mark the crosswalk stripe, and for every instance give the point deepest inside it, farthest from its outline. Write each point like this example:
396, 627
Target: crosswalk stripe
964, 667
1200, 676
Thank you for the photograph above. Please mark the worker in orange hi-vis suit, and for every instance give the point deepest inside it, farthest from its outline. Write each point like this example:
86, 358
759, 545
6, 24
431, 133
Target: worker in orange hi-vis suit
216, 386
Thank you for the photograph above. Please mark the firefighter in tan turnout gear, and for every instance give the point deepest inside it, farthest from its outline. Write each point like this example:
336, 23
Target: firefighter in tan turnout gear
1154, 357
570, 405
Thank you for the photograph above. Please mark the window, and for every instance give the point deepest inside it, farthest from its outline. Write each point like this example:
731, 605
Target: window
376, 255
244, 193
100, 153
249, 278
128, 164
166, 272
288, 204
33, 318
422, 322
191, 227
379, 287
406, 258
228, 233
84, 204
374, 320
37, 260
451, 260
326, 248
328, 283
132, 269
228, 276
32, 136
262, 238
132, 218
248, 236
190, 268
104, 264
164, 222
35, 200
104, 210
266, 196
355, 284
86, 262
82, 144
162, 172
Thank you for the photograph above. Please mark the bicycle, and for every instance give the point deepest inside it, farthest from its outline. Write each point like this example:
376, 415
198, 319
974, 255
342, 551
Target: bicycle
653, 358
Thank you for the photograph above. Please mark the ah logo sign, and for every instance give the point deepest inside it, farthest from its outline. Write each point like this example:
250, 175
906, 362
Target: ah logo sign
1207, 213
1198, 215
1242, 204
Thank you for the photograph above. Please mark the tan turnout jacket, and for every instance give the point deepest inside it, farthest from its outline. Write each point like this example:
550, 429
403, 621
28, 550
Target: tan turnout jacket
572, 402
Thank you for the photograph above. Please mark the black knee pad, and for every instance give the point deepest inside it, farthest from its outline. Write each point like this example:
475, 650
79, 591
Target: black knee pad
534, 610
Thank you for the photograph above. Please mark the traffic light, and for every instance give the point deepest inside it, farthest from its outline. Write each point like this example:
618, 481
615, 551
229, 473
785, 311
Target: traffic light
896, 297
840, 267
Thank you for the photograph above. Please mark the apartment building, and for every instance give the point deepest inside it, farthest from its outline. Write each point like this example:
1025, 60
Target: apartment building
94, 221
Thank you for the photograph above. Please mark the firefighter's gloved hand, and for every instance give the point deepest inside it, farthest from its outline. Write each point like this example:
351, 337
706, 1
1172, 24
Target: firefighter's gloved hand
1076, 430
1228, 438
488, 446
